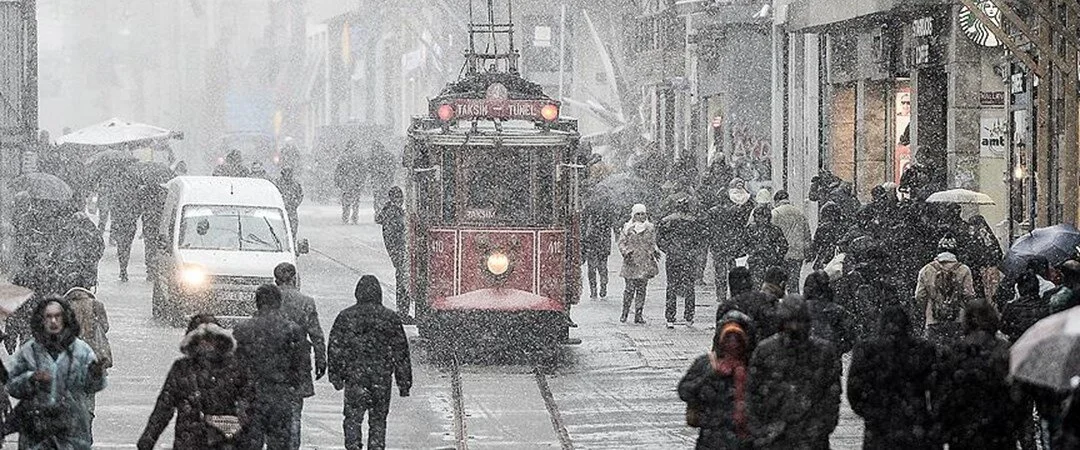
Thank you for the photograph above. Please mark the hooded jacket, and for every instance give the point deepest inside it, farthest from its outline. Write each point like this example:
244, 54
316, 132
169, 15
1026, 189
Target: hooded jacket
367, 343
794, 385
758, 305
72, 383
211, 383
716, 389
638, 249
765, 242
275, 351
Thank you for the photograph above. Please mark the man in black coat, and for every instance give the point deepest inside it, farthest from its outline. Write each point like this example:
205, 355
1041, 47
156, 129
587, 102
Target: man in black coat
367, 347
679, 237
794, 399
392, 219
888, 384
349, 177
727, 218
293, 195
274, 351
759, 305
975, 405
300, 308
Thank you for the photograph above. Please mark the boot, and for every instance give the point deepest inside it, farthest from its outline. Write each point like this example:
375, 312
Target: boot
625, 312
638, 318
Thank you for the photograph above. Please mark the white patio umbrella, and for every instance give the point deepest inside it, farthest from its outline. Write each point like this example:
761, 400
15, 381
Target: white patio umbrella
118, 131
960, 196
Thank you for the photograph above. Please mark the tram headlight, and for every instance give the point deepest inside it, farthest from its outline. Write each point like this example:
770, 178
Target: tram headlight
497, 263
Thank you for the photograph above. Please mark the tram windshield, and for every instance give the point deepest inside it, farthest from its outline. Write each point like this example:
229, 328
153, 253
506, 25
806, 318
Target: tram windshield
506, 186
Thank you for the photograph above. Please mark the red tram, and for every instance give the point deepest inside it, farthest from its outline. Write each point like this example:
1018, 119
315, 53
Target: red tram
493, 207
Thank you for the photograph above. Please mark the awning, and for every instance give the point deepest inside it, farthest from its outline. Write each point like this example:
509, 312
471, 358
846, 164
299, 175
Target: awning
818, 15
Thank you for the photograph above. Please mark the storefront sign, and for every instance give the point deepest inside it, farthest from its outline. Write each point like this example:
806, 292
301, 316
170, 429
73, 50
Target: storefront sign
975, 29
992, 99
925, 47
992, 135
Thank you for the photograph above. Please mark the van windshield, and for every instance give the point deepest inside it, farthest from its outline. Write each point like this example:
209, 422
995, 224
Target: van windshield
236, 228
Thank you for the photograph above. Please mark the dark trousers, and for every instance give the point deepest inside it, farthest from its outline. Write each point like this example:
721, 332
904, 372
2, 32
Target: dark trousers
722, 264
294, 220
401, 278
375, 402
350, 206
680, 281
794, 273
634, 293
596, 266
274, 408
124, 237
298, 410
944, 333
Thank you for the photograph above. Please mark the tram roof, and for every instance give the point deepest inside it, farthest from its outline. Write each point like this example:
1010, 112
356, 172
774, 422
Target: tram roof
516, 133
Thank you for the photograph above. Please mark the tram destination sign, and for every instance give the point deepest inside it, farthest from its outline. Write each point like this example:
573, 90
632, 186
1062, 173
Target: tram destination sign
486, 108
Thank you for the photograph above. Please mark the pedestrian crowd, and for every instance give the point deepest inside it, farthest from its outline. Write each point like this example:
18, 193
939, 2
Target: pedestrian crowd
917, 297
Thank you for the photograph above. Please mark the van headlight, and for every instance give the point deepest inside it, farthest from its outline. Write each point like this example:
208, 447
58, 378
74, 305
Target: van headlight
193, 277
497, 263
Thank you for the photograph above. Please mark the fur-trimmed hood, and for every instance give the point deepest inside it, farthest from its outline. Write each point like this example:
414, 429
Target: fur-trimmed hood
224, 341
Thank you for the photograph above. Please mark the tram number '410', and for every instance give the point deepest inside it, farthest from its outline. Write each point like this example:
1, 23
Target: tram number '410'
555, 247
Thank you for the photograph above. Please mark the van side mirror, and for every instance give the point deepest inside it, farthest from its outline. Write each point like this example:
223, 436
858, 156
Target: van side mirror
303, 247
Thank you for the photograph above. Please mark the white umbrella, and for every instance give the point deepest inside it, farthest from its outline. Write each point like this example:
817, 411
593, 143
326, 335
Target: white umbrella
12, 297
118, 131
962, 196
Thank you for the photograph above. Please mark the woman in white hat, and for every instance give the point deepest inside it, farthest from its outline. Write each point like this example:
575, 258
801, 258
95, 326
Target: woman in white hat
637, 243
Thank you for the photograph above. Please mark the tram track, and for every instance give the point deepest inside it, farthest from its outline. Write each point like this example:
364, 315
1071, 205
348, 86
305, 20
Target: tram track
461, 416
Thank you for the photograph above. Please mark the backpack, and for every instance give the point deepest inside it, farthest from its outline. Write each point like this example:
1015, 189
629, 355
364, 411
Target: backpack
950, 295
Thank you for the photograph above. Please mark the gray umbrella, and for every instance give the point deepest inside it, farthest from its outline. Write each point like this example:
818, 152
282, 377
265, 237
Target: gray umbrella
42, 186
1048, 354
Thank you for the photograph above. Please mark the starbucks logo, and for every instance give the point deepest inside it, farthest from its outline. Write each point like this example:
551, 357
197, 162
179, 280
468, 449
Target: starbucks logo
978, 31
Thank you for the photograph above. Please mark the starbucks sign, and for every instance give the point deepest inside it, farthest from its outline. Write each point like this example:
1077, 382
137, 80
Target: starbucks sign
975, 29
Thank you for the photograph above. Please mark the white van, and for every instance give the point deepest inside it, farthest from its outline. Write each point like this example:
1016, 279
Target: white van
222, 238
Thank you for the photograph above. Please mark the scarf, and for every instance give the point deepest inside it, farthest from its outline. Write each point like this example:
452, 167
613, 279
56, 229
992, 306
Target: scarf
738, 196
733, 366
638, 227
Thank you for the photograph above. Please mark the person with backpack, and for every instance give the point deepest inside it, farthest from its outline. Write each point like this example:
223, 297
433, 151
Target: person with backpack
945, 286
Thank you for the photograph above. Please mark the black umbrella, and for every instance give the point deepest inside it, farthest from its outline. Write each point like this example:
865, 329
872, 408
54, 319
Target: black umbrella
42, 186
1057, 244
619, 192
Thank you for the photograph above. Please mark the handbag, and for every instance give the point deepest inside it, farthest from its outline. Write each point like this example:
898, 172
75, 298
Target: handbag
693, 416
227, 425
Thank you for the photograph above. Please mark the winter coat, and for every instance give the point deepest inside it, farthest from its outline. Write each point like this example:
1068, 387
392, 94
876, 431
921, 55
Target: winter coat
792, 222
349, 174
392, 219
927, 293
80, 251
639, 252
794, 393
214, 385
1020, 314
832, 323
758, 305
713, 396
292, 193
72, 385
680, 235
237, 170
300, 309
368, 346
766, 247
94, 326
887, 386
596, 229
728, 224
973, 401
274, 351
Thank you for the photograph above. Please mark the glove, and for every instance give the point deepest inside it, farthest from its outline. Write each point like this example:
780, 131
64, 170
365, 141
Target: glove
338, 385
404, 392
